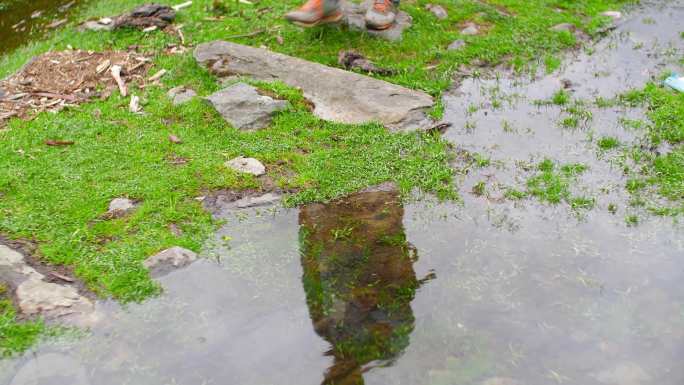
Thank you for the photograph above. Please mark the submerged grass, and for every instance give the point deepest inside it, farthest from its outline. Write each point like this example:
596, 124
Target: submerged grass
551, 184
660, 171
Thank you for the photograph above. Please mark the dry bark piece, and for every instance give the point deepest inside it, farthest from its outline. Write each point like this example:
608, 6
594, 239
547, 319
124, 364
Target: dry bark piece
157, 76
134, 105
354, 60
56, 143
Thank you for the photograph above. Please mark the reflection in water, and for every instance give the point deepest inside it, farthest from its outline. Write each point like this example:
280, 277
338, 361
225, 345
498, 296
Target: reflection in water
359, 280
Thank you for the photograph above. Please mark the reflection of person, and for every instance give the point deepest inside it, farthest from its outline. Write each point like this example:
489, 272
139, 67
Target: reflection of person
380, 15
359, 280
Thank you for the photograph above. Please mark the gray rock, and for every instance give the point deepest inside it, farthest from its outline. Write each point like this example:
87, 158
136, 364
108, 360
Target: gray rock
50, 300
338, 95
14, 268
181, 94
243, 107
51, 368
95, 25
354, 19
257, 201
119, 207
247, 165
36, 297
470, 29
456, 45
615, 15
169, 260
627, 373
438, 11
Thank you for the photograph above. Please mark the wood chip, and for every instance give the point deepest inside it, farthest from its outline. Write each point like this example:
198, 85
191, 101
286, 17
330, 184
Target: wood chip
57, 23
180, 6
104, 66
134, 106
150, 29
175, 139
51, 142
61, 276
116, 74
157, 76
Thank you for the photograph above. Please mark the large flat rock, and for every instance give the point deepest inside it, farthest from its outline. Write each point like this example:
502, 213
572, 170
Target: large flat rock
338, 95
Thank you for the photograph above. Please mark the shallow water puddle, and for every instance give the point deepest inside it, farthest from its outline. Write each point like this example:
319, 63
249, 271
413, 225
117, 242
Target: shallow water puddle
369, 290
22, 20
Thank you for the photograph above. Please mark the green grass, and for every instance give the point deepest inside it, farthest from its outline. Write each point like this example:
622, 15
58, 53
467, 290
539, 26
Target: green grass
551, 184
662, 172
421, 58
608, 143
57, 196
15, 337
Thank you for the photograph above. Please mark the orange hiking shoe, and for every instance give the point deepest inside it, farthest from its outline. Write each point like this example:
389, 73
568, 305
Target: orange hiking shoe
381, 15
316, 12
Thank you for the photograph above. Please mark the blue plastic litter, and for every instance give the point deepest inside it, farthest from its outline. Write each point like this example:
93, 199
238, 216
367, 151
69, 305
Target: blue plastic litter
675, 81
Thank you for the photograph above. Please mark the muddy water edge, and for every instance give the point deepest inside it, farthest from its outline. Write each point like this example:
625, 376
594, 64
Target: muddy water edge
372, 290
22, 21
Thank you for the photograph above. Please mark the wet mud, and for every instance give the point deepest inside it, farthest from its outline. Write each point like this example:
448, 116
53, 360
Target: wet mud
372, 290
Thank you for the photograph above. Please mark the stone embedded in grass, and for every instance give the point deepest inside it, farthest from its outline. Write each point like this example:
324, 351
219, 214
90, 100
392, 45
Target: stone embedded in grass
438, 11
50, 300
247, 165
244, 108
470, 29
337, 95
181, 94
37, 297
169, 260
355, 20
615, 15
120, 207
456, 45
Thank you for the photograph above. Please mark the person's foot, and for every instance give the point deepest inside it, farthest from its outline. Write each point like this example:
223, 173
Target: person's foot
316, 12
381, 15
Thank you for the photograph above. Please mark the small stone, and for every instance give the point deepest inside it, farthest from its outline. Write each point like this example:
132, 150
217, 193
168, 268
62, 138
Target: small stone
181, 94
244, 108
169, 260
263, 200
567, 27
120, 206
438, 11
51, 300
456, 45
615, 15
470, 30
247, 165
93, 25
624, 374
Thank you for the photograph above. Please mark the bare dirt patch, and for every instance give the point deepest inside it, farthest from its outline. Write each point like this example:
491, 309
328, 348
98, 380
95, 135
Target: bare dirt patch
55, 80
